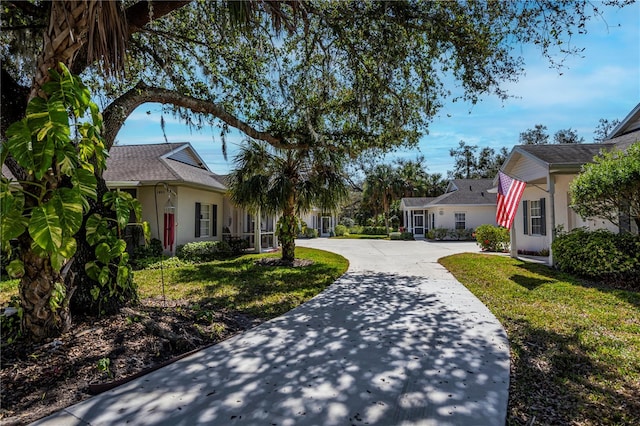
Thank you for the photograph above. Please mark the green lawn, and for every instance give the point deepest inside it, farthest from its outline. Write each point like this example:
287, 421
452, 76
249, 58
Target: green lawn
575, 347
238, 284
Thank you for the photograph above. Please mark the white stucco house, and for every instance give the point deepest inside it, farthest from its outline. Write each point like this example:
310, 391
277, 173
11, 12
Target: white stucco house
182, 200
466, 204
322, 220
548, 171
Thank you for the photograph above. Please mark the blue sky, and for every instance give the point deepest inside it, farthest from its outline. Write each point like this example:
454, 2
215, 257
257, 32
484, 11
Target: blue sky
604, 82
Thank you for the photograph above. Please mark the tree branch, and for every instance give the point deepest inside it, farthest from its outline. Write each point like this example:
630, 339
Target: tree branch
143, 12
116, 113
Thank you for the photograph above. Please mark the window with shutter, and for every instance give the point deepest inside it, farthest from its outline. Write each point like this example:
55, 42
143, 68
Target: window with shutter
525, 218
197, 230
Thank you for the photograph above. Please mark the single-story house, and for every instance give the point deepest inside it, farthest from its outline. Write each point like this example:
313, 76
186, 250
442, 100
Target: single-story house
182, 200
548, 171
466, 204
321, 220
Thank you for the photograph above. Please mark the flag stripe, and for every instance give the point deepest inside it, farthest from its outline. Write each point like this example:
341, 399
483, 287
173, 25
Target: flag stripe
509, 194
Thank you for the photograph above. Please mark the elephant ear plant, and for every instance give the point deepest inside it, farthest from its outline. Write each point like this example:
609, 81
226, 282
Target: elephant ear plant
59, 146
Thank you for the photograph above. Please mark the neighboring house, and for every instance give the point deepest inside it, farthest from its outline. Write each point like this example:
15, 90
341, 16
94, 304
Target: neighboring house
322, 220
548, 171
466, 204
182, 200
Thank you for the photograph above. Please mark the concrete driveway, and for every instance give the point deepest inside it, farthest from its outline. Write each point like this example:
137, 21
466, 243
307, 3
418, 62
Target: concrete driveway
395, 341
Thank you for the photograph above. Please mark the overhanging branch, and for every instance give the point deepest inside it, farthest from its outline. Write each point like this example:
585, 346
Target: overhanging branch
117, 112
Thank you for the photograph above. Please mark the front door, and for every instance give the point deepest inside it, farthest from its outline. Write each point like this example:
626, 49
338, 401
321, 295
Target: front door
418, 224
325, 226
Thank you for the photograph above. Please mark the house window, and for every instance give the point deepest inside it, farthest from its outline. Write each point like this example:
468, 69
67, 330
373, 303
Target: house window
461, 222
206, 220
534, 217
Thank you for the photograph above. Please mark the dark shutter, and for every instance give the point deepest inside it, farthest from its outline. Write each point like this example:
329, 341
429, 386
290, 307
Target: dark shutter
214, 220
525, 217
543, 217
197, 234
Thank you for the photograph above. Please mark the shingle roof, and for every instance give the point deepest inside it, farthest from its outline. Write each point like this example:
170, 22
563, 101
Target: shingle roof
469, 192
566, 154
148, 163
417, 201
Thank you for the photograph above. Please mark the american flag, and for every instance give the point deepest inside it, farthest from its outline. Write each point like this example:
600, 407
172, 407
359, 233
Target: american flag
509, 193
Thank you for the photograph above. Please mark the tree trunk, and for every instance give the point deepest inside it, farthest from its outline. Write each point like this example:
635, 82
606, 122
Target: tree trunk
288, 238
39, 288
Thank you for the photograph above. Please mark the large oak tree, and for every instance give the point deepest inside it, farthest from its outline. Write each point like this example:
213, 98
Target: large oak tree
343, 76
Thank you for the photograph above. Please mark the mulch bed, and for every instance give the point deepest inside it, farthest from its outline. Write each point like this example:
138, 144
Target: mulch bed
40, 379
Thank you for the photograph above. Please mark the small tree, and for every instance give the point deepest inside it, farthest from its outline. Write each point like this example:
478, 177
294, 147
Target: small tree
288, 182
536, 136
610, 187
567, 136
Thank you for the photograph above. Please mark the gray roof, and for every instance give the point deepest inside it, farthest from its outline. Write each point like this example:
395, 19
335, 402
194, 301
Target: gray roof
468, 192
565, 154
155, 163
624, 141
465, 192
417, 201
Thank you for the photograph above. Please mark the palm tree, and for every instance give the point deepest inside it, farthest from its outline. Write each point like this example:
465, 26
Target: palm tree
286, 182
382, 186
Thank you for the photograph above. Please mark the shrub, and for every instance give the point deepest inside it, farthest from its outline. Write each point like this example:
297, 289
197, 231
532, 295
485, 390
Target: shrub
405, 236
374, 230
238, 245
153, 249
440, 233
311, 233
600, 255
461, 234
356, 229
341, 230
492, 238
347, 222
203, 251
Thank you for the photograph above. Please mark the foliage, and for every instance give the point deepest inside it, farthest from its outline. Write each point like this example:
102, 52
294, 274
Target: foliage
11, 325
405, 236
287, 182
347, 222
461, 234
153, 249
604, 128
600, 256
469, 165
111, 269
438, 233
610, 187
374, 230
536, 136
575, 348
567, 136
203, 251
341, 230
492, 238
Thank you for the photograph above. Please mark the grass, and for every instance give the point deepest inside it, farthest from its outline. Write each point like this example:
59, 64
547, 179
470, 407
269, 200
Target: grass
575, 347
238, 284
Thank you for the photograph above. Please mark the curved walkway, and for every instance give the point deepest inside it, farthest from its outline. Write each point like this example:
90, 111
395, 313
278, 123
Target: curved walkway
395, 341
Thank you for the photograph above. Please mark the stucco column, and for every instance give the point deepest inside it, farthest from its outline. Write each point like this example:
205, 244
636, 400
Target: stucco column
256, 232
551, 184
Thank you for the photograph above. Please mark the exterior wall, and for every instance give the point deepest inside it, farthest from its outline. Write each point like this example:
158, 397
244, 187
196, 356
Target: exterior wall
533, 243
313, 220
474, 216
185, 214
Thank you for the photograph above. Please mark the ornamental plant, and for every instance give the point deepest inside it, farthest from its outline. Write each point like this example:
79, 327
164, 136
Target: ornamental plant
492, 238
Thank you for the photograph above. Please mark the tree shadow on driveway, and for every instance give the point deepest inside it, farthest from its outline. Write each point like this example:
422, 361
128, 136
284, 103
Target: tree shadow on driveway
374, 348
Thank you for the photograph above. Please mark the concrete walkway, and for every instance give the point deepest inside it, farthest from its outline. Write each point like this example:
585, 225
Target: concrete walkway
395, 341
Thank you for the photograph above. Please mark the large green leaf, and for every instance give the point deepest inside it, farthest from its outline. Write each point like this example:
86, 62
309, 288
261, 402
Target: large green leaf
65, 252
19, 144
43, 152
118, 248
45, 228
95, 229
86, 182
103, 252
15, 268
68, 203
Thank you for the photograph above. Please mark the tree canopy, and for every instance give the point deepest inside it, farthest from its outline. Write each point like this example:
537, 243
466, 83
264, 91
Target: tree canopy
471, 164
610, 187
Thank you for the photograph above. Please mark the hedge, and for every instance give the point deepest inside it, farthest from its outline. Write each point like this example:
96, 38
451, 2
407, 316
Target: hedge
600, 255
203, 251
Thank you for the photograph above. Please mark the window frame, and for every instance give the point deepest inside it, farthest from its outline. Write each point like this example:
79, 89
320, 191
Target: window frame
456, 221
